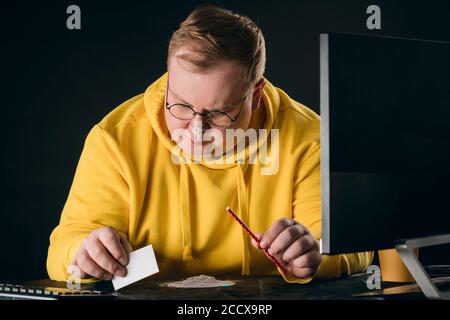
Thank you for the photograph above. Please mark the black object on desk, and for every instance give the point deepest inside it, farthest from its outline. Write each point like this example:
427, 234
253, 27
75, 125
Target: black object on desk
51, 291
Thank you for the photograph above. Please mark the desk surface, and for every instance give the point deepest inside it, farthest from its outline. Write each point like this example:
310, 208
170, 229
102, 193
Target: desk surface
255, 287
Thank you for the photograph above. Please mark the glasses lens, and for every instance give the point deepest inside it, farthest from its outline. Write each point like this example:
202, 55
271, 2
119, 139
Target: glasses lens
219, 119
182, 112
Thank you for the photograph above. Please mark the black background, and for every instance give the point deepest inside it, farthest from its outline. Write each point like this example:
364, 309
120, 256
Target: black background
57, 83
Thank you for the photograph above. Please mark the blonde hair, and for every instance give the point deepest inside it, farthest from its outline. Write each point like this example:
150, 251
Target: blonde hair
211, 34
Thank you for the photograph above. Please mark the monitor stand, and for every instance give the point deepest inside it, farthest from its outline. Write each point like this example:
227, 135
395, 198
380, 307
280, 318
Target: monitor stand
405, 249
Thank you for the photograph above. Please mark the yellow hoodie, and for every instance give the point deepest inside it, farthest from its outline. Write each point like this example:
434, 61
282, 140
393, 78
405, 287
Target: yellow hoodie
126, 179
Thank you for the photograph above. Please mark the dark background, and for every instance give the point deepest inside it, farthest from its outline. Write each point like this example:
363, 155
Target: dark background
57, 83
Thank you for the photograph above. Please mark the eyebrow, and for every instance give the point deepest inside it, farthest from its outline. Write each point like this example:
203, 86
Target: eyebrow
228, 107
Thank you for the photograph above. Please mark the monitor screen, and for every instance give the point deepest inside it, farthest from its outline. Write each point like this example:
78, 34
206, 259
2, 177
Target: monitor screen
385, 139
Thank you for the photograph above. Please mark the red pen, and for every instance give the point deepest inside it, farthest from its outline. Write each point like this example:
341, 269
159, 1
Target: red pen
247, 229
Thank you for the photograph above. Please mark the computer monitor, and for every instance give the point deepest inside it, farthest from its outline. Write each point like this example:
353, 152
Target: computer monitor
385, 140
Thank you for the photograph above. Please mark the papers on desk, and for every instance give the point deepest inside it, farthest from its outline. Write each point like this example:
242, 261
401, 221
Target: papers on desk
142, 264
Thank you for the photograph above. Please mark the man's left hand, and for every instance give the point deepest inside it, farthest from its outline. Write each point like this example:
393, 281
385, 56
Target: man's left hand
293, 246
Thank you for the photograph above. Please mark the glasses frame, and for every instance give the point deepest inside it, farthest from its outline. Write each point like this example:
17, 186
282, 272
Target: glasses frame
204, 114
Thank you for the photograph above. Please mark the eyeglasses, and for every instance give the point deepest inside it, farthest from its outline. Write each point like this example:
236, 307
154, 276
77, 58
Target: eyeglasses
216, 118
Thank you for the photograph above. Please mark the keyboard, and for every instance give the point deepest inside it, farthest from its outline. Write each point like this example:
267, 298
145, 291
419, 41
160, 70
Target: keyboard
25, 292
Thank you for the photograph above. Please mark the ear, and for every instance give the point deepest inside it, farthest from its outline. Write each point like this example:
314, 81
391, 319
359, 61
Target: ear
257, 93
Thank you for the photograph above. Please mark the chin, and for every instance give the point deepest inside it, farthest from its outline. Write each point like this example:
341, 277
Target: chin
199, 150
189, 149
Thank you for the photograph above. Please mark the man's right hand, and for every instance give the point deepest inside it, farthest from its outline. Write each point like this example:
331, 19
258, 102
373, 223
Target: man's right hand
103, 254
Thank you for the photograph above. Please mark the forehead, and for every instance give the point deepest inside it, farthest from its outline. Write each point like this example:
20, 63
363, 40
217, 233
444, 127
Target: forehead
220, 85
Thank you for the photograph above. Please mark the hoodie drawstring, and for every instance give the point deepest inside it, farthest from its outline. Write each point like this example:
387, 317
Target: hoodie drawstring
243, 212
186, 216
186, 231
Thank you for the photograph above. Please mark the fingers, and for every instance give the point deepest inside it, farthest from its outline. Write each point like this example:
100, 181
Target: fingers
275, 230
88, 265
256, 244
298, 247
103, 258
302, 272
103, 254
293, 246
110, 238
306, 264
126, 245
286, 238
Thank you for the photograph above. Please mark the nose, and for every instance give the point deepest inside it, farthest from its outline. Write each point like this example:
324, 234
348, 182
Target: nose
200, 120
199, 126
200, 117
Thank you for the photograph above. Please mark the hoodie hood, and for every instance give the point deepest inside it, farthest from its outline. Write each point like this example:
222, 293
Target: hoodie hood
263, 118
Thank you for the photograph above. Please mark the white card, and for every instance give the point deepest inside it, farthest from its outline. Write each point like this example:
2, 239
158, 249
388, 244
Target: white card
142, 263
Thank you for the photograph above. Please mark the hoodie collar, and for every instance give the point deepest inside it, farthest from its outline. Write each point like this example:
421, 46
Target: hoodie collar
154, 98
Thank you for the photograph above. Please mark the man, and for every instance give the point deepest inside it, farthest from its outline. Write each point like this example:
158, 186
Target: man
155, 171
